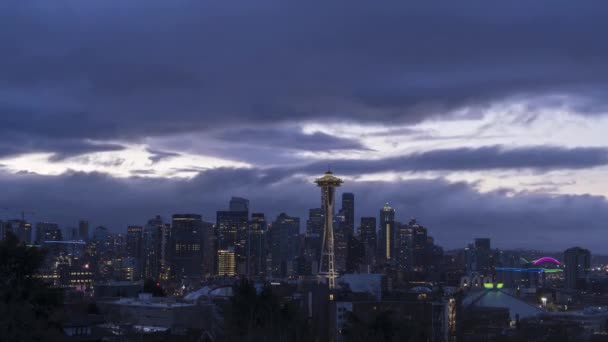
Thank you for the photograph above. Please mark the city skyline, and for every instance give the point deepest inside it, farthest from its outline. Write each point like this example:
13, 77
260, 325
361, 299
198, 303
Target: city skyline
490, 122
231, 209
325, 171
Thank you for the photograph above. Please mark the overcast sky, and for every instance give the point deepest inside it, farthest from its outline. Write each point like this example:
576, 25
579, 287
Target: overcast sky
479, 119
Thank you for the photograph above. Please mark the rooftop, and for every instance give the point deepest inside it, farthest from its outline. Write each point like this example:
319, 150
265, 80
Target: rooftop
501, 299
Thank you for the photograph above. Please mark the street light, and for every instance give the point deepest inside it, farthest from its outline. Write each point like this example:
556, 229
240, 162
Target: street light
544, 301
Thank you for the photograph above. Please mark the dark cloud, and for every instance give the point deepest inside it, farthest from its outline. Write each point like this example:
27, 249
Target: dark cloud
290, 138
118, 69
15, 144
540, 158
455, 213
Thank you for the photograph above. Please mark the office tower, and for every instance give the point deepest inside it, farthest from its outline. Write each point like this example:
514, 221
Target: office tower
340, 241
239, 204
314, 235
343, 230
368, 237
314, 224
83, 230
153, 234
134, 249
386, 234
483, 254
165, 253
118, 245
126, 269
257, 246
419, 244
404, 246
186, 246
46, 231
355, 255
226, 262
578, 263
328, 184
231, 230
284, 244
348, 211
209, 245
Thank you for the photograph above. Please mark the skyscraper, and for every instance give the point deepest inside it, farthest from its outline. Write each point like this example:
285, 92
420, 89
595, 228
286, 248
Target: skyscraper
186, 246
419, 244
101, 234
483, 254
46, 231
340, 241
134, 249
386, 234
257, 247
578, 263
314, 235
348, 211
355, 255
83, 230
231, 227
284, 244
153, 235
239, 204
328, 184
404, 246
314, 224
225, 262
368, 237
23, 230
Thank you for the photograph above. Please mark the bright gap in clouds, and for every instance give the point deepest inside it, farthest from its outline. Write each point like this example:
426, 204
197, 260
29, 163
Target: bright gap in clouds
134, 160
510, 125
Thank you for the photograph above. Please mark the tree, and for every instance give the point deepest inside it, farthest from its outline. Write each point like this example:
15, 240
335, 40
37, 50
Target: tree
383, 326
150, 286
29, 309
262, 317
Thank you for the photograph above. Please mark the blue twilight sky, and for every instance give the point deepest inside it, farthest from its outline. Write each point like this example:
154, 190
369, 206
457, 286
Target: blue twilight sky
479, 119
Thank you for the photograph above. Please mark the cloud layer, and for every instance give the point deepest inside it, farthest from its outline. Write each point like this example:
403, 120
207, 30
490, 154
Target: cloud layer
129, 70
173, 84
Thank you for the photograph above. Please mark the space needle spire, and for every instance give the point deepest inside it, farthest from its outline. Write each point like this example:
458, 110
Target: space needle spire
328, 184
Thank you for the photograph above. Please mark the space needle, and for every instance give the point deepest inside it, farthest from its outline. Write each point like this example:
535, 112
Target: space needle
328, 184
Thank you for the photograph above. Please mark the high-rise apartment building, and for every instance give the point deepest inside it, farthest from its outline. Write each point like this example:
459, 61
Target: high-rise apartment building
186, 246
578, 264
